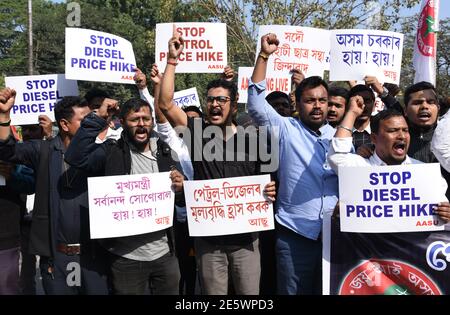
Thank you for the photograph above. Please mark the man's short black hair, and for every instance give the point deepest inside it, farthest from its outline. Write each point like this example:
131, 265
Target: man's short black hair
277, 94
228, 85
444, 105
392, 88
338, 91
94, 97
64, 108
382, 115
416, 87
361, 88
193, 108
133, 104
309, 83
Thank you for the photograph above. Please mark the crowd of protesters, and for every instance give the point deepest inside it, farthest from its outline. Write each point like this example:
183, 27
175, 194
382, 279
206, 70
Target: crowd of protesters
319, 127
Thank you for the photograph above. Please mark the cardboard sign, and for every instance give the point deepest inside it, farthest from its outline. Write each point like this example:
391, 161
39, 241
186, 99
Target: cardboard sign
282, 84
302, 48
389, 199
205, 47
185, 98
98, 56
357, 53
37, 95
228, 206
130, 204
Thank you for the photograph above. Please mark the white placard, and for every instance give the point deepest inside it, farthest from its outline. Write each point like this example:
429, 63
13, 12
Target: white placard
282, 84
302, 48
185, 98
390, 199
130, 204
228, 206
98, 56
357, 53
205, 47
37, 95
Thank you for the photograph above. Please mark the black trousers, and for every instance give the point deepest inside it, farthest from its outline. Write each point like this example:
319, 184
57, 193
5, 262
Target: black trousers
184, 248
132, 277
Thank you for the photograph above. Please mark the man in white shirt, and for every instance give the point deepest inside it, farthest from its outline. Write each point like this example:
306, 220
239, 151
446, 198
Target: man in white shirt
390, 135
440, 145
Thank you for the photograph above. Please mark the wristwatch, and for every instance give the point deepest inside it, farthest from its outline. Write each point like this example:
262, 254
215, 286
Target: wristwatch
385, 92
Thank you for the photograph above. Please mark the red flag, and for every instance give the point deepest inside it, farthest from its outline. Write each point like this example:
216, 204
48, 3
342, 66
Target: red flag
425, 44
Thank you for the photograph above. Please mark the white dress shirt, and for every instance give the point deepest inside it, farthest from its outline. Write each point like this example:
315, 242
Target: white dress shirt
440, 144
339, 155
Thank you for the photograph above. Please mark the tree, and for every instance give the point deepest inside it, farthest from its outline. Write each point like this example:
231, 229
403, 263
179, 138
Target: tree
243, 16
443, 58
135, 20
13, 18
49, 20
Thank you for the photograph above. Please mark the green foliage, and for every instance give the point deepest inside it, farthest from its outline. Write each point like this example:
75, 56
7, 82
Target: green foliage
12, 25
135, 20
49, 21
443, 58
243, 16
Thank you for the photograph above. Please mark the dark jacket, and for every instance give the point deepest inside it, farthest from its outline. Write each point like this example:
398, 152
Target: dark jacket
10, 208
420, 149
12, 205
45, 157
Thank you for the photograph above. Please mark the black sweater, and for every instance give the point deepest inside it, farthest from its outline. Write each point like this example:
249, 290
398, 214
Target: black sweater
420, 149
10, 206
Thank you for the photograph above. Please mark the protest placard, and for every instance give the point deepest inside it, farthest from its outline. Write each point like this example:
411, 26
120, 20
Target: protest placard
302, 48
37, 95
205, 47
385, 264
185, 98
357, 53
282, 84
98, 56
395, 198
130, 204
228, 206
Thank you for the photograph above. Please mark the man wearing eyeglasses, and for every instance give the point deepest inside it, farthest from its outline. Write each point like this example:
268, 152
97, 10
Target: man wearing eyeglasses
218, 257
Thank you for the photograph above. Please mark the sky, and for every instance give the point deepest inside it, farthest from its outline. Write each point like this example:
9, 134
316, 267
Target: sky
445, 9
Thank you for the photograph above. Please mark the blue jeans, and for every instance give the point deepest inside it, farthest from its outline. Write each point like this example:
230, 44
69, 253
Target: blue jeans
75, 274
131, 277
299, 263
